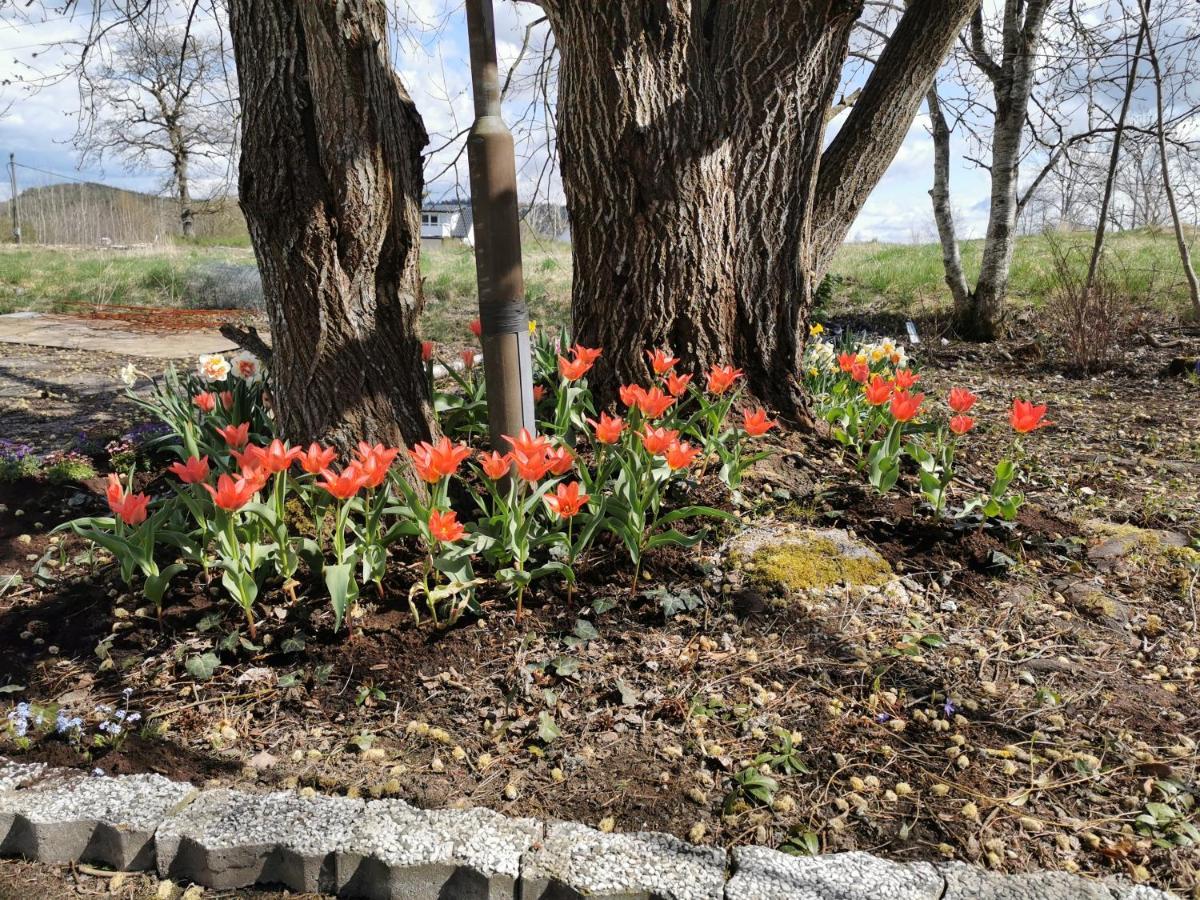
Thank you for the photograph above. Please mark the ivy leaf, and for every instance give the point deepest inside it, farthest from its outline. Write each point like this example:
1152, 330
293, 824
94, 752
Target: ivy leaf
548, 729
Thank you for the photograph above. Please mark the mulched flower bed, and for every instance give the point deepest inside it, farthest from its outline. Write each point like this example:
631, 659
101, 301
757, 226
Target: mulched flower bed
985, 710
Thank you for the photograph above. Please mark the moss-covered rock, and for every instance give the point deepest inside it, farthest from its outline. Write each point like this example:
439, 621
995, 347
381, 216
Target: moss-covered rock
796, 559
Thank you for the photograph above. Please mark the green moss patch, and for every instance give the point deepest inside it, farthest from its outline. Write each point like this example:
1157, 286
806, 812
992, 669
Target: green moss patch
808, 559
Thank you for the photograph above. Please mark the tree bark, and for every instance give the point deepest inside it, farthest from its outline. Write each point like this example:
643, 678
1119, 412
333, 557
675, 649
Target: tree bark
1113, 157
703, 210
980, 317
943, 214
1185, 255
331, 184
186, 219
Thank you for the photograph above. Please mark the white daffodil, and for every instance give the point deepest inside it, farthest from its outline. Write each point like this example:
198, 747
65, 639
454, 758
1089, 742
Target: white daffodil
213, 367
129, 374
247, 367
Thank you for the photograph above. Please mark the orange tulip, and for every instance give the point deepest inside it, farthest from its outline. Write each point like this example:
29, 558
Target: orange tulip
608, 429
860, 371
905, 379
255, 475
846, 361
631, 394
653, 403
344, 484
588, 355
961, 400
317, 458
193, 471
566, 501
249, 457
444, 526
375, 461
755, 422
961, 424
530, 455
681, 454
434, 462
132, 509
495, 465
657, 440
677, 384
878, 391
468, 358
114, 491
227, 400
721, 378
235, 436
1026, 417
232, 494
539, 393
572, 369
905, 405
206, 401
660, 361
277, 457
560, 460
528, 444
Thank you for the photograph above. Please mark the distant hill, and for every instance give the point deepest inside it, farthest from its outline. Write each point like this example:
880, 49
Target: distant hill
91, 214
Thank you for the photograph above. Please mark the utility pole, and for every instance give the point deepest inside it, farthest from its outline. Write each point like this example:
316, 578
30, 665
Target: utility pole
16, 212
491, 157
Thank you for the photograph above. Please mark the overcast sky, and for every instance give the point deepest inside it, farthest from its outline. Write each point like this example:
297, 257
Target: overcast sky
431, 56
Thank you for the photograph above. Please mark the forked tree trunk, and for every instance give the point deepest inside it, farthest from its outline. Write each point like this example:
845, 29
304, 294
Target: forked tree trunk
330, 184
703, 211
943, 213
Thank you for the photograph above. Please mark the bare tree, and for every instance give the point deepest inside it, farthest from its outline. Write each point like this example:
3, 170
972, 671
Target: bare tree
158, 101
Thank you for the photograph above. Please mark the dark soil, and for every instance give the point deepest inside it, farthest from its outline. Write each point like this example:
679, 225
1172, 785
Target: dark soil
988, 713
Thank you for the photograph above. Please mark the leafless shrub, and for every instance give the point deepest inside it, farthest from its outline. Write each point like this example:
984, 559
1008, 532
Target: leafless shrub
1091, 324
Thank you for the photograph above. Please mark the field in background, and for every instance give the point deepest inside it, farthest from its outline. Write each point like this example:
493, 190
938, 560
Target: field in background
909, 278
900, 278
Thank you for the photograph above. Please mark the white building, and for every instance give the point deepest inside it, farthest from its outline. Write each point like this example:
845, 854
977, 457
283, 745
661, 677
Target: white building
447, 221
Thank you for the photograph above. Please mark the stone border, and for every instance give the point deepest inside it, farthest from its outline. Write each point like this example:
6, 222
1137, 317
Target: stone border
387, 850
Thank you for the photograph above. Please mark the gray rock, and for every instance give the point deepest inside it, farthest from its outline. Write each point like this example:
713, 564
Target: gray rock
763, 874
398, 851
966, 882
106, 820
229, 839
575, 861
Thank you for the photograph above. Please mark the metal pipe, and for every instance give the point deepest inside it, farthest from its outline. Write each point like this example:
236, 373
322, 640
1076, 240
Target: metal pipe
491, 158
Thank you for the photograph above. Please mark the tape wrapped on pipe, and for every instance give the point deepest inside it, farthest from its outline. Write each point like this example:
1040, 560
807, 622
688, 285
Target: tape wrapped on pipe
504, 318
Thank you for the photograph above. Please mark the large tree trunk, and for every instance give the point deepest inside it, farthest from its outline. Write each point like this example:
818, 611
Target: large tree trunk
943, 214
331, 184
183, 193
702, 213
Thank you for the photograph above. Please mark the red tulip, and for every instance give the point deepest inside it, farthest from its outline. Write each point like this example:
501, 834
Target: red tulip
477, 328
427, 350
608, 429
878, 391
630, 394
193, 471
846, 361
1026, 417
114, 491
588, 355
657, 440
653, 403
468, 359
572, 369
132, 509
206, 401
755, 422
677, 384
721, 378
660, 361
235, 436
231, 494
277, 457
961, 400
530, 455
905, 379
681, 454
495, 465
905, 405
317, 458
560, 460
566, 501
539, 393
375, 461
860, 372
344, 484
227, 400
444, 526
961, 424
434, 462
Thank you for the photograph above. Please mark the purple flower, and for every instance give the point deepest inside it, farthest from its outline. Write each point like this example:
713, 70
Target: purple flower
949, 708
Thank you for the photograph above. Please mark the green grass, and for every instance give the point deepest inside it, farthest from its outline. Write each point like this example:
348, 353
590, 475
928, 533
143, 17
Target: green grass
899, 278
909, 279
